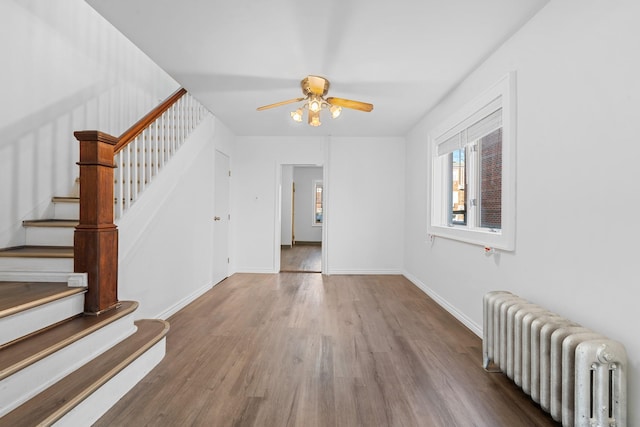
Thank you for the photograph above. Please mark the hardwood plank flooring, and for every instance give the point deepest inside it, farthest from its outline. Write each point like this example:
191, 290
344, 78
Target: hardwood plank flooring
309, 350
301, 258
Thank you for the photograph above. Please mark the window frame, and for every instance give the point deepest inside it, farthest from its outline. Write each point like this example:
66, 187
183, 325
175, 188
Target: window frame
437, 223
317, 183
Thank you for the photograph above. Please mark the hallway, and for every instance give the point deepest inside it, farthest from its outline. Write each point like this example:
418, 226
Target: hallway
299, 258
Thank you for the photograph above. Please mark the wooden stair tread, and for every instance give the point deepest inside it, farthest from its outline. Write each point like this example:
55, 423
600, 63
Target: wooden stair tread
19, 296
69, 223
65, 199
21, 353
54, 402
38, 252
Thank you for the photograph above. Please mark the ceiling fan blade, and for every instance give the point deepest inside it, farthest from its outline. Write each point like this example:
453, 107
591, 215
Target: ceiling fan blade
277, 104
348, 103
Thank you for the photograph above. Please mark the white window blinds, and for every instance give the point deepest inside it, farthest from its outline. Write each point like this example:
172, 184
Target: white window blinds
485, 121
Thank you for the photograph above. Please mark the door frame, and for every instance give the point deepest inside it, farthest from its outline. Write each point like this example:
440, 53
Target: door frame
226, 220
278, 216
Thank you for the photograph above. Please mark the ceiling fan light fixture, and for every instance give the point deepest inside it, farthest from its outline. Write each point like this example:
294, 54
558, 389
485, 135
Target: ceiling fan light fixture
297, 115
314, 118
315, 104
314, 89
335, 111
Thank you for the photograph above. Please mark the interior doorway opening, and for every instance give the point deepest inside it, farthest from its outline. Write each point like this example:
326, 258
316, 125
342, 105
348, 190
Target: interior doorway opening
302, 217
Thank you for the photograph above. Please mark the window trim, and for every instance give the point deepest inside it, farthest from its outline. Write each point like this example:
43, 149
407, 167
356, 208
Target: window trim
504, 239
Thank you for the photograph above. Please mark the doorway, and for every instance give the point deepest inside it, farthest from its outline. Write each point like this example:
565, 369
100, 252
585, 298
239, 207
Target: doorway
302, 218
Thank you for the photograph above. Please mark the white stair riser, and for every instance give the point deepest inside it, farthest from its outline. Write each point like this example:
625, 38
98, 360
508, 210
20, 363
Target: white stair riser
36, 264
66, 210
74, 280
34, 319
26, 383
49, 236
100, 401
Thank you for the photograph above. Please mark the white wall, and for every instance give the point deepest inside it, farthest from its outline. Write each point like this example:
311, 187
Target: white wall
363, 184
166, 238
365, 205
578, 103
65, 69
255, 185
305, 178
286, 211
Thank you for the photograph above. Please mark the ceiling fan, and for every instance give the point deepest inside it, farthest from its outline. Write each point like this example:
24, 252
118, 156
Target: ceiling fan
315, 89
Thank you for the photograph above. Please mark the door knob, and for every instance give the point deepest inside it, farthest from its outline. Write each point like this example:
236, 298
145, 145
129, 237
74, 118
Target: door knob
216, 218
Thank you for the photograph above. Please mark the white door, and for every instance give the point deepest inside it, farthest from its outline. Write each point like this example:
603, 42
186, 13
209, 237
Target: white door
221, 219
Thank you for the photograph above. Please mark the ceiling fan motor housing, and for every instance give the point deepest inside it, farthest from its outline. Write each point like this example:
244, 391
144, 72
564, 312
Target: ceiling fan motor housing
314, 85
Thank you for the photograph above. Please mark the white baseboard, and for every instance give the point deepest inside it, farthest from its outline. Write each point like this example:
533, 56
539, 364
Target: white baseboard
256, 271
352, 272
184, 302
474, 327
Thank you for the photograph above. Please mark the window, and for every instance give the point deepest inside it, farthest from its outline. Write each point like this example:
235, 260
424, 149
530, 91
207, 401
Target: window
473, 181
317, 203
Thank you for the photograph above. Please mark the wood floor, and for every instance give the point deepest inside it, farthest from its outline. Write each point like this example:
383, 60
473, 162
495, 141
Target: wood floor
299, 258
295, 349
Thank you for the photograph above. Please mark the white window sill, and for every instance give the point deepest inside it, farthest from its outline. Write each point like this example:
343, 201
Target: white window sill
486, 238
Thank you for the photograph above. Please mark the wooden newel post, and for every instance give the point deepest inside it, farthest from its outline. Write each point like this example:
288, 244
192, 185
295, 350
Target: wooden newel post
96, 236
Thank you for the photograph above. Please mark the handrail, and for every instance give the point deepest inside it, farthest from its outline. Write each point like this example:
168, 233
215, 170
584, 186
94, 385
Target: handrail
138, 127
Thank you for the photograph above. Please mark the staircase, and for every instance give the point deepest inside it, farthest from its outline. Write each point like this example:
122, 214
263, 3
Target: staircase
58, 365
69, 350
48, 249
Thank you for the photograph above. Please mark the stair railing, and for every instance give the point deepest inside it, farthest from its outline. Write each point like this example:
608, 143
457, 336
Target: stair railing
137, 156
147, 146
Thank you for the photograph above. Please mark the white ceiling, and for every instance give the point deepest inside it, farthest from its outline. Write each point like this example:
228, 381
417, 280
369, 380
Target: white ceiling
236, 55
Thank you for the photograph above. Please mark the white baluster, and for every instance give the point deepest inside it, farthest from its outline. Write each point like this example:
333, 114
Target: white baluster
146, 177
192, 114
134, 170
119, 190
148, 167
181, 116
156, 147
142, 161
162, 145
127, 177
172, 127
182, 119
189, 117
